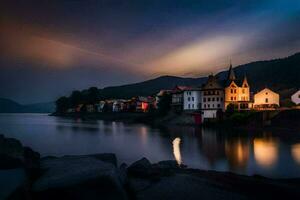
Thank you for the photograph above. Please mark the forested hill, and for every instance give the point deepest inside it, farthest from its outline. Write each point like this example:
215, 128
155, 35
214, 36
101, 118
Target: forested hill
281, 75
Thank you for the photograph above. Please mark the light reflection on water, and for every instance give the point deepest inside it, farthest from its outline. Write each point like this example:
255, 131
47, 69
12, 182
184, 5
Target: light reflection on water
268, 154
176, 150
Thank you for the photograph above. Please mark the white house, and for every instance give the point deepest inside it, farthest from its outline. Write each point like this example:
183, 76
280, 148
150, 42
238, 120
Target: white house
192, 99
212, 98
296, 98
266, 99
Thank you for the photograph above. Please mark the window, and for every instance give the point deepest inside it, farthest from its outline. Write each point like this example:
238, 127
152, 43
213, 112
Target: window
234, 90
192, 105
234, 98
217, 92
208, 99
217, 98
267, 100
208, 105
189, 106
266, 93
189, 98
204, 105
243, 91
231, 91
231, 98
192, 98
204, 99
213, 99
213, 105
219, 105
221, 98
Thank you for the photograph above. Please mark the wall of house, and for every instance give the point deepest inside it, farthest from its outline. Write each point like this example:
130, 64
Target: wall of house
191, 100
212, 99
209, 114
296, 98
266, 97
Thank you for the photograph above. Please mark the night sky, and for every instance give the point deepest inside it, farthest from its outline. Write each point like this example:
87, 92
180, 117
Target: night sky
48, 48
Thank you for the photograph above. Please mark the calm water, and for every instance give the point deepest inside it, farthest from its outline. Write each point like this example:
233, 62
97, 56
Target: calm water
265, 153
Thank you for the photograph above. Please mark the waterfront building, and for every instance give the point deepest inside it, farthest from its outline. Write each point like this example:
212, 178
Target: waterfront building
296, 97
237, 92
192, 99
212, 98
266, 99
177, 98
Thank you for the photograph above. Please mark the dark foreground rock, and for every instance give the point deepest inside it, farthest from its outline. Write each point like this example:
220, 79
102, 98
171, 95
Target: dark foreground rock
80, 177
99, 177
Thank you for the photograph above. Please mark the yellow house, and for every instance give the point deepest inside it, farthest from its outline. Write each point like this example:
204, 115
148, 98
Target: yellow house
266, 99
237, 94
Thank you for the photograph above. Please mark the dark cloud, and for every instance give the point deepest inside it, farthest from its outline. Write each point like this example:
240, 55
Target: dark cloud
71, 44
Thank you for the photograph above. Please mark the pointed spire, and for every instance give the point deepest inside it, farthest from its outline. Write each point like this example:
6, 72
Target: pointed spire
231, 74
245, 81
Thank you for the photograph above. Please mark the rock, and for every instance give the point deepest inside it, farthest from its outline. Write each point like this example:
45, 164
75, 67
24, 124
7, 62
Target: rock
14, 155
79, 177
169, 164
31, 159
10, 181
141, 168
123, 173
181, 186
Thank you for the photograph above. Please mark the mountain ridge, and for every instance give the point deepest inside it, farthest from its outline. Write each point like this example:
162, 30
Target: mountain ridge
280, 74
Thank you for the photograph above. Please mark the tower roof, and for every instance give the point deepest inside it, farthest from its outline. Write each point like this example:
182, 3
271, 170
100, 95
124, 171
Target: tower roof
231, 74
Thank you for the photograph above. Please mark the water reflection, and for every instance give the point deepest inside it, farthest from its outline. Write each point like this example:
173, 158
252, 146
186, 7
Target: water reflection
273, 154
266, 151
237, 152
176, 150
296, 152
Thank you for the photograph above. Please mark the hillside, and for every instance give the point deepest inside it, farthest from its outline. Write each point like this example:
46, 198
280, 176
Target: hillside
10, 106
149, 87
281, 75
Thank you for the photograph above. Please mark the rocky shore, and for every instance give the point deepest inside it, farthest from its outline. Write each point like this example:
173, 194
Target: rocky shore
24, 175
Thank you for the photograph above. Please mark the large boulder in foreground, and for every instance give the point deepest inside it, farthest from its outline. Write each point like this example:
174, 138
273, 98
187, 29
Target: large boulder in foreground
14, 155
79, 177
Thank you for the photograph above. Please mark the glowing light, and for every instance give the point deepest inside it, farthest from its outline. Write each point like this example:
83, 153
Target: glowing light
176, 150
145, 106
296, 152
265, 152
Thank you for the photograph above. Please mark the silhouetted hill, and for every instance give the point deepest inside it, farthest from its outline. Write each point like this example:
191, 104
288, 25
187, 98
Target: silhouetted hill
149, 87
10, 106
281, 75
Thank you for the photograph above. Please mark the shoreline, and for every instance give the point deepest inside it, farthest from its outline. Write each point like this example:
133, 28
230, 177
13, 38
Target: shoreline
284, 121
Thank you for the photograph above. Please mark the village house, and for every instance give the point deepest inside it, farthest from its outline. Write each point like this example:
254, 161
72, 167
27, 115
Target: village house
296, 97
177, 98
90, 108
144, 104
191, 99
237, 92
266, 99
212, 103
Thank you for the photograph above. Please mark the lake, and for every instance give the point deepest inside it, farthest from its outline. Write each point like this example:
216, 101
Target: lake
271, 154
